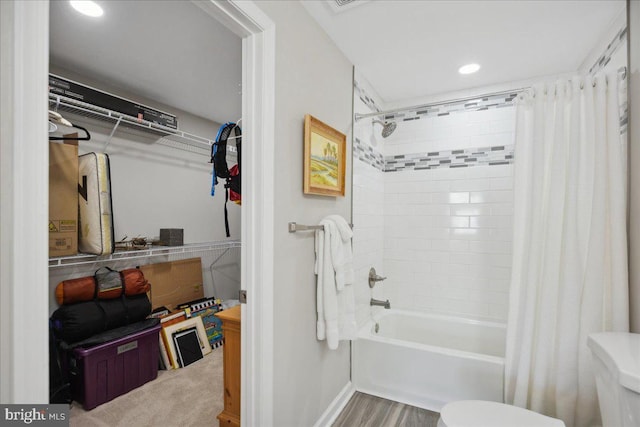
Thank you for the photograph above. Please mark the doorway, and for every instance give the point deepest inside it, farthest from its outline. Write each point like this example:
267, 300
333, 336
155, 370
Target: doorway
25, 35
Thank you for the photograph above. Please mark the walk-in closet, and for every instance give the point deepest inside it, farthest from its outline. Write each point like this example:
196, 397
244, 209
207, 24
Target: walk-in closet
183, 70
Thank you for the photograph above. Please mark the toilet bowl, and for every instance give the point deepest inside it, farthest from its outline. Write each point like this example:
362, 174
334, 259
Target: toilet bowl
616, 364
481, 413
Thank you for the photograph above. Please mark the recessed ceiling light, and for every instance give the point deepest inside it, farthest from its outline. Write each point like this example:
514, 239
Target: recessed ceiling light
87, 7
469, 69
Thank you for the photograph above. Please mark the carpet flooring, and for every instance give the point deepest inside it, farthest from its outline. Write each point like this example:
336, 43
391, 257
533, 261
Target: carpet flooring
190, 396
364, 410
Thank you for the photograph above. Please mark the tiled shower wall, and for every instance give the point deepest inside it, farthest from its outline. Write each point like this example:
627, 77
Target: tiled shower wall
448, 229
368, 200
437, 221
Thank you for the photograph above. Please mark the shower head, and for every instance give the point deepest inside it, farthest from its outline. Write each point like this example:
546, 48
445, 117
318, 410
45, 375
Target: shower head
387, 127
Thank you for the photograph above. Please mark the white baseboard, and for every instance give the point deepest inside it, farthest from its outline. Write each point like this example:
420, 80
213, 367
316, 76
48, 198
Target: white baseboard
336, 406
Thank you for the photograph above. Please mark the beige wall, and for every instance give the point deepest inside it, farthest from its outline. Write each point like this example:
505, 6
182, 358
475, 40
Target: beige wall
314, 77
634, 162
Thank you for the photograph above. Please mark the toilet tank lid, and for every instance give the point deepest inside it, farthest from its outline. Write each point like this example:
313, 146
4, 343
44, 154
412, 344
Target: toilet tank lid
620, 352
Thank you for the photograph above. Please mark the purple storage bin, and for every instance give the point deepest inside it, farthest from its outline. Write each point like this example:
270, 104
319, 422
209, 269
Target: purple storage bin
106, 371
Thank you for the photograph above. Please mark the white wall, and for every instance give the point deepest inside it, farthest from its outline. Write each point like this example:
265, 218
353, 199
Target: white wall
312, 77
634, 162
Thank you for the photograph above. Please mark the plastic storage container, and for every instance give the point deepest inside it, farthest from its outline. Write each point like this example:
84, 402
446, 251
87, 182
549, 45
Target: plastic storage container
101, 373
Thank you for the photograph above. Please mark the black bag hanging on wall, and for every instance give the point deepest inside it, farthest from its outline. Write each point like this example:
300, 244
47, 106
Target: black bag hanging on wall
233, 183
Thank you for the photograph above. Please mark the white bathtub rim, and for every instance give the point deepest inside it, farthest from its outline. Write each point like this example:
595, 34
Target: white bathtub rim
435, 349
365, 332
455, 319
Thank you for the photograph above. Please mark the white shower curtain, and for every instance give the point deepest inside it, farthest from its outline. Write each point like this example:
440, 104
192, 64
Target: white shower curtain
569, 272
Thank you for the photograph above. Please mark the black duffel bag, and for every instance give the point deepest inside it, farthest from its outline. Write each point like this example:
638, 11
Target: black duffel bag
76, 322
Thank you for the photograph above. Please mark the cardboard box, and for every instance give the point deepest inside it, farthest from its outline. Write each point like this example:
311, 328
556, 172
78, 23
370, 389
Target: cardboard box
63, 199
174, 282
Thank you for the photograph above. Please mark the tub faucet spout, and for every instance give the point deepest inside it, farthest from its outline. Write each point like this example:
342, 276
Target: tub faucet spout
386, 304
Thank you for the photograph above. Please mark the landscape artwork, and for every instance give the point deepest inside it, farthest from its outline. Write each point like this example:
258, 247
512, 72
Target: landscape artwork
325, 150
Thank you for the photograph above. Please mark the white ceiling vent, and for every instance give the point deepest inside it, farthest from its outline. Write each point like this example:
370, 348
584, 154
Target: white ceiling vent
341, 5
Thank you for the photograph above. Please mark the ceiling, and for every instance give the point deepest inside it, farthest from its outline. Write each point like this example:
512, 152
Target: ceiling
411, 49
168, 51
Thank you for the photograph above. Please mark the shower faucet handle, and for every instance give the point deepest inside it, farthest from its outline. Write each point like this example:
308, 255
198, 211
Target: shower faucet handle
373, 277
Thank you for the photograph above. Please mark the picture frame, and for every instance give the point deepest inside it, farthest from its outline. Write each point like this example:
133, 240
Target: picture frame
325, 158
169, 330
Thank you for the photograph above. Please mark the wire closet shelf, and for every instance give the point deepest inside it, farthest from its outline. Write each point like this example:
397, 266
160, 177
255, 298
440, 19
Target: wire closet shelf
190, 141
150, 252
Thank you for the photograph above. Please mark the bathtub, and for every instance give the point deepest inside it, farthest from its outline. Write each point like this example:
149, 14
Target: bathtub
429, 360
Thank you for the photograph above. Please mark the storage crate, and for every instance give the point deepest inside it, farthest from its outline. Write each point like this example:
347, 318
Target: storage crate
101, 373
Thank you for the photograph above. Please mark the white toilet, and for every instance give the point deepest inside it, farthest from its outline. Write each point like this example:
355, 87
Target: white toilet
617, 369
482, 413
616, 359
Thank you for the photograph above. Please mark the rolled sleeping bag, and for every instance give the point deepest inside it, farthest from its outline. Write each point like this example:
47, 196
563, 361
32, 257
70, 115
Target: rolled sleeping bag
134, 282
76, 322
75, 290
83, 289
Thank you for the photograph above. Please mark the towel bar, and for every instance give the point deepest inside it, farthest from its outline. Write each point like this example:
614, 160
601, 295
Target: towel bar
293, 227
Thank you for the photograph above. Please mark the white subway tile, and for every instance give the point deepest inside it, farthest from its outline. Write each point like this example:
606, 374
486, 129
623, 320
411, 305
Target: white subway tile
458, 245
491, 196
470, 185
500, 273
499, 311
434, 257
459, 222
471, 209
440, 244
502, 209
480, 270
486, 221
500, 285
471, 233
503, 234
502, 183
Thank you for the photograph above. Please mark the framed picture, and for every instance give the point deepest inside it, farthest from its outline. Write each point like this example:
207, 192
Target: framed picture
325, 158
193, 322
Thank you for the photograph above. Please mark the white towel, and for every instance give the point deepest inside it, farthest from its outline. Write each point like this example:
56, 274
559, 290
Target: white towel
335, 296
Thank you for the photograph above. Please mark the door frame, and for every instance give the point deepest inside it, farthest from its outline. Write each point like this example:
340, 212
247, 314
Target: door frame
24, 60
248, 21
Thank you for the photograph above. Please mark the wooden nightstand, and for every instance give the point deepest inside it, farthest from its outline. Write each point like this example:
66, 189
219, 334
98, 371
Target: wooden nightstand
230, 416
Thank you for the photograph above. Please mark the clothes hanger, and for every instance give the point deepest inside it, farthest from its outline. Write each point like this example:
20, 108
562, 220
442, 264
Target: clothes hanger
56, 119
237, 125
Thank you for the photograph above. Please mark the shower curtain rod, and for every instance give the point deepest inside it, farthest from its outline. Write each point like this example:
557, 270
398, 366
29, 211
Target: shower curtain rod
621, 70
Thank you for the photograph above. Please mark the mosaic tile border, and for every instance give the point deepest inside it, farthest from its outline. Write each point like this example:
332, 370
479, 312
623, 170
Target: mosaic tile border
368, 154
609, 51
362, 94
485, 156
480, 104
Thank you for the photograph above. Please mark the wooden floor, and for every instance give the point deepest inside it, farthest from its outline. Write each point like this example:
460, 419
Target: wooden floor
366, 410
